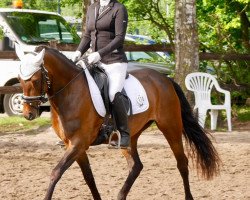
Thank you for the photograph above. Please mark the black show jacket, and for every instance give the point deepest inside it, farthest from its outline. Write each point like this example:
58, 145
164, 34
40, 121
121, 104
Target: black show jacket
105, 33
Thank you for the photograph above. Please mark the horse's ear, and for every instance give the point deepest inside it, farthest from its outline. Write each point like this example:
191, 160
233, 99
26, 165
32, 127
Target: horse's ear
19, 51
39, 57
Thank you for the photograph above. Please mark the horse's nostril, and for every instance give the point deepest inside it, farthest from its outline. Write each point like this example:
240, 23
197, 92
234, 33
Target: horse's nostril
30, 116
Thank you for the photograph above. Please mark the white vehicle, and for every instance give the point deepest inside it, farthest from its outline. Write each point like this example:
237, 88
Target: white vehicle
29, 28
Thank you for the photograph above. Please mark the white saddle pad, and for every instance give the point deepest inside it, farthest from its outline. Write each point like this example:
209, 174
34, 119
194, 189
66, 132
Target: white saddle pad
133, 88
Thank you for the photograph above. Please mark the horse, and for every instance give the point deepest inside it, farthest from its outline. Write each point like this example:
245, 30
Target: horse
77, 123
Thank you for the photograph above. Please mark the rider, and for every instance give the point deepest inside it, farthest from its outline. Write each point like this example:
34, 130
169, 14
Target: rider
106, 26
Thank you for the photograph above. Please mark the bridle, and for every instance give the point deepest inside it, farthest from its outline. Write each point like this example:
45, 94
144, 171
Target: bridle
42, 97
45, 82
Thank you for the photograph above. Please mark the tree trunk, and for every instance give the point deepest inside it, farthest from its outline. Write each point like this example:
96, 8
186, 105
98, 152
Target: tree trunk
186, 40
85, 5
245, 27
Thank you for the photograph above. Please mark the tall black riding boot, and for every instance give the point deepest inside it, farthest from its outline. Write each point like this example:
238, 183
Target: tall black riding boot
121, 118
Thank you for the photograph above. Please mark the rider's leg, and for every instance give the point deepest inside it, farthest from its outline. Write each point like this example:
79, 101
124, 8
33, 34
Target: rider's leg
121, 118
116, 74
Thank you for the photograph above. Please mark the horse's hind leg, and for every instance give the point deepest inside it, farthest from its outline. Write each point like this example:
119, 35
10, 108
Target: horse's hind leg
135, 167
66, 161
173, 134
83, 162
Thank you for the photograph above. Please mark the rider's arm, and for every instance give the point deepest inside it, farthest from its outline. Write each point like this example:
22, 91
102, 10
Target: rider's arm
86, 39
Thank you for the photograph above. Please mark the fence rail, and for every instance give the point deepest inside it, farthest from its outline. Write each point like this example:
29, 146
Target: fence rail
10, 89
127, 47
136, 47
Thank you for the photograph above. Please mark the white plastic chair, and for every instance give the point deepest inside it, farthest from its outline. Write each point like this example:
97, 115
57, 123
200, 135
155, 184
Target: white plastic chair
201, 84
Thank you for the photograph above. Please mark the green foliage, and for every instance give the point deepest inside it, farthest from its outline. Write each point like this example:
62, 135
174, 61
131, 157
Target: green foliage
48, 5
243, 113
149, 17
222, 30
220, 25
239, 97
1, 33
5, 3
72, 8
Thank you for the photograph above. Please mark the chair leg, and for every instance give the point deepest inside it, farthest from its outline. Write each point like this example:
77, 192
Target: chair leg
202, 116
229, 123
214, 117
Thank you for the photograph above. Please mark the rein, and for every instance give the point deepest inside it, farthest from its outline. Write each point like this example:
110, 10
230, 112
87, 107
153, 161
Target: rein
65, 86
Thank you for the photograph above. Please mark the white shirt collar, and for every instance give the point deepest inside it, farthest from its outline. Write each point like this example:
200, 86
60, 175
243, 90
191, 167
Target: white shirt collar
104, 2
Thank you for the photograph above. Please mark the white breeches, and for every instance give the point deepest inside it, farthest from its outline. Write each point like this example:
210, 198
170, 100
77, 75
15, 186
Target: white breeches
116, 76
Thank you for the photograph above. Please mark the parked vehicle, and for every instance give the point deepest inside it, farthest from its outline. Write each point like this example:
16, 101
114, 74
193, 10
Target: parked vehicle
141, 59
28, 28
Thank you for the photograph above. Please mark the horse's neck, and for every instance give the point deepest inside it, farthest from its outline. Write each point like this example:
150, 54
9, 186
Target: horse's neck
63, 77
69, 96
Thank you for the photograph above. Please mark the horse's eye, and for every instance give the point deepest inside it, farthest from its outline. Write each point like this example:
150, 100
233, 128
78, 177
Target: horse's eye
36, 82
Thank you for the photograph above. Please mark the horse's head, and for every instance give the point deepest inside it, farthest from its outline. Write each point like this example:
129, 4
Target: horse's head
31, 77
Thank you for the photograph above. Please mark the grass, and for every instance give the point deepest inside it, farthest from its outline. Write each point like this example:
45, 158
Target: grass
243, 113
20, 124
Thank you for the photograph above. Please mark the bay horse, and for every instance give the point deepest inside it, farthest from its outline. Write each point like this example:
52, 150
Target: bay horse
77, 123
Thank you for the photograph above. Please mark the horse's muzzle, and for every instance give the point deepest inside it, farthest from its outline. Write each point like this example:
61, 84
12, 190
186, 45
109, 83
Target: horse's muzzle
30, 116
30, 113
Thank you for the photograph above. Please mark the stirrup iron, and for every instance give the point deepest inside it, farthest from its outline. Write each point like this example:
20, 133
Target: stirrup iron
118, 146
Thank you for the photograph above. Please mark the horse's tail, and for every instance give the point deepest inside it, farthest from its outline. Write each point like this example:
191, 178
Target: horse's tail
207, 158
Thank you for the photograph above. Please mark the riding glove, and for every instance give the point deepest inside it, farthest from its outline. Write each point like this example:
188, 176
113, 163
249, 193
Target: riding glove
94, 58
76, 56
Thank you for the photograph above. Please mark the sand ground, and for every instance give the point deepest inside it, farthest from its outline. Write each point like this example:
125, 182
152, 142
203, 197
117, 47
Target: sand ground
27, 161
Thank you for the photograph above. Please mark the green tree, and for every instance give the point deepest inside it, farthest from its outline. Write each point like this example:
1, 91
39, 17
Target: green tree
151, 17
1, 33
224, 27
224, 23
49, 5
5, 3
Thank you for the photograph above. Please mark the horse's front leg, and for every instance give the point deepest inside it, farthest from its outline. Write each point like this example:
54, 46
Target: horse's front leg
83, 162
135, 167
66, 161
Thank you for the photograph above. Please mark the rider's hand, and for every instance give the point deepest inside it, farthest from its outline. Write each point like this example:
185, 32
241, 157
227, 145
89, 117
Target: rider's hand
94, 58
76, 56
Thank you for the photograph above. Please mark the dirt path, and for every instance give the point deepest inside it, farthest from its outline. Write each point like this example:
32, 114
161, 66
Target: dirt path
27, 161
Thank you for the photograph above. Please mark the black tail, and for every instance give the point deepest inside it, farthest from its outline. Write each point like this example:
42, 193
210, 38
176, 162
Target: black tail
207, 158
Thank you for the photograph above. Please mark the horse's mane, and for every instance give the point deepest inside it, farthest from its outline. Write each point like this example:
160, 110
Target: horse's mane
56, 52
41, 47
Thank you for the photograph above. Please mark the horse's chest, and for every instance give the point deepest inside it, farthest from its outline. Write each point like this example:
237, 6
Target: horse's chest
67, 128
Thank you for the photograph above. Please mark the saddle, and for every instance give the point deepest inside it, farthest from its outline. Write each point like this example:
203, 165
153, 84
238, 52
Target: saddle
109, 126
101, 79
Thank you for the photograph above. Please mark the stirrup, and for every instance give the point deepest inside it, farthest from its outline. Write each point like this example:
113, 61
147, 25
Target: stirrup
118, 146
